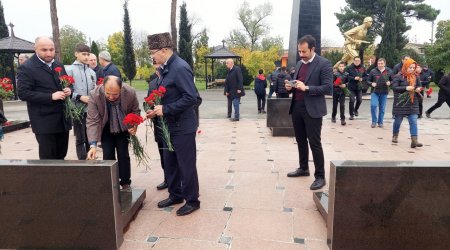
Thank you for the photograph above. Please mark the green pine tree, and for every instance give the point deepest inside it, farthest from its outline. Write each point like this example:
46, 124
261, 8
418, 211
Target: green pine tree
388, 46
5, 59
94, 48
129, 60
185, 42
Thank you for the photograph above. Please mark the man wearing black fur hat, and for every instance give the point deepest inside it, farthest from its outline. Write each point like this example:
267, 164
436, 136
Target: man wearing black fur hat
178, 110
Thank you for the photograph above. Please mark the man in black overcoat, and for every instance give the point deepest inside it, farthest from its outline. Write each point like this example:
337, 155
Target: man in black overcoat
40, 87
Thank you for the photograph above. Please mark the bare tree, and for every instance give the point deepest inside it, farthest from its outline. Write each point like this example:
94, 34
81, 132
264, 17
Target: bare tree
173, 24
55, 29
253, 21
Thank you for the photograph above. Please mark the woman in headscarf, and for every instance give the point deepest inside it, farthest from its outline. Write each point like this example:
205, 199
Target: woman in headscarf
407, 88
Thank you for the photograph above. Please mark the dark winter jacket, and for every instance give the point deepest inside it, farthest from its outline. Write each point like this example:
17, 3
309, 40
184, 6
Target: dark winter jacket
279, 86
111, 69
273, 79
354, 71
37, 83
181, 96
444, 86
425, 76
344, 80
399, 86
234, 82
380, 78
397, 68
260, 85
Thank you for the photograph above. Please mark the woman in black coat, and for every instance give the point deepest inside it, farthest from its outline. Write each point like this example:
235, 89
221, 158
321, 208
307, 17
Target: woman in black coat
407, 88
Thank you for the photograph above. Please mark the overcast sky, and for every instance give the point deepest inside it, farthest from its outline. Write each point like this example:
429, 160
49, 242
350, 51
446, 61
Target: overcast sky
99, 19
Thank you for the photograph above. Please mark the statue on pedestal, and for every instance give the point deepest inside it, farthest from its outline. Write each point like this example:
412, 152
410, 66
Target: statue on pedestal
353, 40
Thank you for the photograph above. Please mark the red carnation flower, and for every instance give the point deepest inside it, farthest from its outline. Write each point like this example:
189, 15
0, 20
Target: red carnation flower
58, 69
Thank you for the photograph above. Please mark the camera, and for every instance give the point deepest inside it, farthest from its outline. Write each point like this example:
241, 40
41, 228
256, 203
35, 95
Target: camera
293, 83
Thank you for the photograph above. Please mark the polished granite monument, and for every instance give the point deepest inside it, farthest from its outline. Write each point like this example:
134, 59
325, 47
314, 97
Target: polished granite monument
305, 20
55, 204
388, 205
278, 119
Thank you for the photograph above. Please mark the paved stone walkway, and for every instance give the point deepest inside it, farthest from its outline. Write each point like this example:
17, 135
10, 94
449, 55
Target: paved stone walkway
247, 200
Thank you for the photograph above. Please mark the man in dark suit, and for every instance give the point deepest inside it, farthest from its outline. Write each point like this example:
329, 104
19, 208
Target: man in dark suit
40, 87
313, 80
234, 88
109, 68
177, 108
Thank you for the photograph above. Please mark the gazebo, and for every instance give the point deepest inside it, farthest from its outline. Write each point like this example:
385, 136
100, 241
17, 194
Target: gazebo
15, 46
220, 53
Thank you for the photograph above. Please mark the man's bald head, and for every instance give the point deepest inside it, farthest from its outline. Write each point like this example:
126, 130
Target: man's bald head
113, 85
44, 48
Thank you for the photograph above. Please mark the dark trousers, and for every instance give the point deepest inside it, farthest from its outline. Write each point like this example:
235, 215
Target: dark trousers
261, 101
441, 99
53, 146
352, 106
271, 91
339, 98
81, 141
161, 156
282, 95
117, 142
181, 169
308, 129
229, 105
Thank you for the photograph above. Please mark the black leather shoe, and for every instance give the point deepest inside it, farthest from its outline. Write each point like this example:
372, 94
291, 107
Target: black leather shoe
168, 202
356, 113
318, 184
351, 117
298, 172
162, 186
234, 119
228, 116
187, 209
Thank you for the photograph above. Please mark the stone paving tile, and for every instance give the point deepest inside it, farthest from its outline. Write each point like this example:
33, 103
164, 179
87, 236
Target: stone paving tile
214, 199
316, 244
144, 224
257, 198
201, 225
135, 245
214, 179
254, 166
258, 224
259, 180
188, 244
257, 244
309, 225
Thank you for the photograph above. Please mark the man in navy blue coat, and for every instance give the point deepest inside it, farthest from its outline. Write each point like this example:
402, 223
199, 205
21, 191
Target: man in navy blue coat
313, 80
177, 109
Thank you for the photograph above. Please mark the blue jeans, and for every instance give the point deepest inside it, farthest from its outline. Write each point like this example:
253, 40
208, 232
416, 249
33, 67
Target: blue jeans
377, 100
412, 119
236, 102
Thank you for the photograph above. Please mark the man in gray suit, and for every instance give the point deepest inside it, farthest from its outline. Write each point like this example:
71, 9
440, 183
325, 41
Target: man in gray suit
312, 81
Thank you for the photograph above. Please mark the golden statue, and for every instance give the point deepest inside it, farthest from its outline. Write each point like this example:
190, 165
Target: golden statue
353, 40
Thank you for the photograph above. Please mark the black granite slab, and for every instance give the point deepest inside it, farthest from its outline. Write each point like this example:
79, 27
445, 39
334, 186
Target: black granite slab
16, 125
61, 204
278, 118
389, 205
321, 201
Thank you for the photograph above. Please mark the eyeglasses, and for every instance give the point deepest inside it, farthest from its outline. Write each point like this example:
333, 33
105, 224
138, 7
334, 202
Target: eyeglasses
154, 52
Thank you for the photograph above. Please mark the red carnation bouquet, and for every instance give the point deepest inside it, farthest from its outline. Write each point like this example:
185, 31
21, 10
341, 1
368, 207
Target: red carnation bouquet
100, 81
70, 109
338, 82
6, 89
133, 120
155, 98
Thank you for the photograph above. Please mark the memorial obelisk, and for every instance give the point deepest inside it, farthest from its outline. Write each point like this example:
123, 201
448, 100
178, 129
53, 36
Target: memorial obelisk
305, 20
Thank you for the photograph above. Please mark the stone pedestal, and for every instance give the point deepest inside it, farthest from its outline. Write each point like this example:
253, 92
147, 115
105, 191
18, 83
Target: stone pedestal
278, 118
389, 205
63, 204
